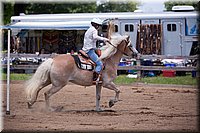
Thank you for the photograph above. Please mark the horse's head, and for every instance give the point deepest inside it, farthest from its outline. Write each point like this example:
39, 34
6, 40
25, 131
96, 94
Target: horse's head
127, 48
117, 43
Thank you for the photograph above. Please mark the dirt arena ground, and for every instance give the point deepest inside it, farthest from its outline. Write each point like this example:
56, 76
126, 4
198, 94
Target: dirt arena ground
142, 108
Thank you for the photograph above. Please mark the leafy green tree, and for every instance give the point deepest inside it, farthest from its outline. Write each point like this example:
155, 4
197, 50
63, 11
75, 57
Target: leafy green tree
169, 4
69, 7
126, 6
19, 8
35, 8
8, 9
45, 8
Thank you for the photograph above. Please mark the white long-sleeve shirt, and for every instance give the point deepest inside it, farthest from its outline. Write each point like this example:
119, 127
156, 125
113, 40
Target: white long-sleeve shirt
90, 38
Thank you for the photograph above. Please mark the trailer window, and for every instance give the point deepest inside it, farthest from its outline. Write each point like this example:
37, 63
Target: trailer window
168, 27
105, 27
116, 28
126, 27
129, 28
171, 27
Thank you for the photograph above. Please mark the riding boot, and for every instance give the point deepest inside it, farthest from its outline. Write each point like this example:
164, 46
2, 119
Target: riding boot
95, 76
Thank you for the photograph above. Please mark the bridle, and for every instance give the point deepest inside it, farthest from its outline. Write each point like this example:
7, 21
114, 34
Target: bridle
124, 47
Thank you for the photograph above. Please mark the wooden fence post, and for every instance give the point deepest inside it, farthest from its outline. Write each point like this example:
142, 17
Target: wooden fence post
198, 68
138, 65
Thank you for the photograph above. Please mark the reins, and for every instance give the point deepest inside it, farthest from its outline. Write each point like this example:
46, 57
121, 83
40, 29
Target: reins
119, 49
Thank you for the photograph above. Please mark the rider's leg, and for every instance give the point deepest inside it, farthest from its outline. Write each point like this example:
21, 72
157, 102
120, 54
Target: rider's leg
98, 70
94, 57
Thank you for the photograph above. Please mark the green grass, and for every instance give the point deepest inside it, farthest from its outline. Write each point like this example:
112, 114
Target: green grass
15, 76
122, 79
178, 80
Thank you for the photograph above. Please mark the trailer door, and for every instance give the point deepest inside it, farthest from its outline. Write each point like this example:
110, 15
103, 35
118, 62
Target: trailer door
172, 38
129, 27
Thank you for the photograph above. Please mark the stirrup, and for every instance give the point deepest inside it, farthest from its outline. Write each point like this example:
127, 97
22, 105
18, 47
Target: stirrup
99, 80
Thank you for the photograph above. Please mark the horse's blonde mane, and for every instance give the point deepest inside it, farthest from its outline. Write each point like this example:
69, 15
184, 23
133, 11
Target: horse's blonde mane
108, 50
111, 29
115, 38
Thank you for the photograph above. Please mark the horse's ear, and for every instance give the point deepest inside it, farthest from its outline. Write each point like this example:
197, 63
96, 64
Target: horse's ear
128, 38
111, 29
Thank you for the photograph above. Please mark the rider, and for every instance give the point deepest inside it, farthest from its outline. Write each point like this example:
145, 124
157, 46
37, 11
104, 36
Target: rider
89, 46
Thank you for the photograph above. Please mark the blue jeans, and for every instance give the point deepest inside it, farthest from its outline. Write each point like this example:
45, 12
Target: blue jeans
94, 57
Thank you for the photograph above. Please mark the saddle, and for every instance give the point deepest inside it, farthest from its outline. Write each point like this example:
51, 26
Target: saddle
83, 61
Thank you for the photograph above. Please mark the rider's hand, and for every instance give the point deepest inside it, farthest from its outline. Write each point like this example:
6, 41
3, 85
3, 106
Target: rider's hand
106, 40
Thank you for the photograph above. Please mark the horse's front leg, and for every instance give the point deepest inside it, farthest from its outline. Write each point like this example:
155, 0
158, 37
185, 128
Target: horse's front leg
112, 86
98, 97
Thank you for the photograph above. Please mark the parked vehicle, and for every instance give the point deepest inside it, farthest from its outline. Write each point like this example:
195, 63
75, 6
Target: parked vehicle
164, 33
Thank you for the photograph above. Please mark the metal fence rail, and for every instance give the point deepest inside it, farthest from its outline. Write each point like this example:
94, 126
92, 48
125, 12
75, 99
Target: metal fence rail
156, 68
153, 68
141, 56
138, 67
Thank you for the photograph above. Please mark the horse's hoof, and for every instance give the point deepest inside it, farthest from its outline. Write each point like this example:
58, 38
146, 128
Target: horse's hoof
56, 109
111, 103
99, 110
29, 105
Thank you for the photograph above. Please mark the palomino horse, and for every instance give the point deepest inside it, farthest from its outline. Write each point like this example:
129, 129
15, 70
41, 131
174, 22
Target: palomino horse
62, 69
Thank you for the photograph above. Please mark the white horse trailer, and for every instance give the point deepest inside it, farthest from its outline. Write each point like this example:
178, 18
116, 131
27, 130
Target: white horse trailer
165, 33
175, 32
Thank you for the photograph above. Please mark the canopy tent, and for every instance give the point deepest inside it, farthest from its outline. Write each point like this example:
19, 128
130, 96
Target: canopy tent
70, 25
57, 25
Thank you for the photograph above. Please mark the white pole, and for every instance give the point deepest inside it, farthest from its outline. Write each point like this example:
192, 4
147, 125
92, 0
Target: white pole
8, 77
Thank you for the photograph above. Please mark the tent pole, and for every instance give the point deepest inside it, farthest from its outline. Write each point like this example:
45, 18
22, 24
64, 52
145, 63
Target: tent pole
8, 77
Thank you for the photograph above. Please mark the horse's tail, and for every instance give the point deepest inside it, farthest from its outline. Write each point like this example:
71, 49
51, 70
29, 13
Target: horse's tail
39, 80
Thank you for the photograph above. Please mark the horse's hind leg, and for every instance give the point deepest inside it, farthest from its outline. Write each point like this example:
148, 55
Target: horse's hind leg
35, 94
48, 94
32, 100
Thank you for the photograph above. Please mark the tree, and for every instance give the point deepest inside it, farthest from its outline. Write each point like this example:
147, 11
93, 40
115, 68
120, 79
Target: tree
78, 7
124, 6
8, 9
19, 8
42, 8
45, 8
11, 9
169, 4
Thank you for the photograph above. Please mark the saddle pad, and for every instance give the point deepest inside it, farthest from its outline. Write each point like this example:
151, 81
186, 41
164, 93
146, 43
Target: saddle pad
83, 63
